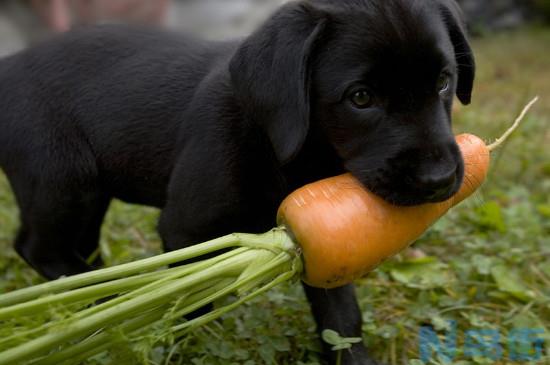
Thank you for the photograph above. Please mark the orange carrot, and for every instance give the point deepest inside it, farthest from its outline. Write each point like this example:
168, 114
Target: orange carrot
345, 231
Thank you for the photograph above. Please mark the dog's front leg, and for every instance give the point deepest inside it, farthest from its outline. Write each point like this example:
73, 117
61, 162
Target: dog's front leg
337, 309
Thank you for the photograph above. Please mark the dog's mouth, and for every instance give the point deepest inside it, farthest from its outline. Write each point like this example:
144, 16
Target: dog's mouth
399, 190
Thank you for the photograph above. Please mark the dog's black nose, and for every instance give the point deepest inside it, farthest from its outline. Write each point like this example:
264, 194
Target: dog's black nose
437, 184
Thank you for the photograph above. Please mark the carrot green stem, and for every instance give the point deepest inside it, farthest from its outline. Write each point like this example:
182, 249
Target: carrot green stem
170, 274
88, 294
101, 342
279, 263
274, 266
185, 327
104, 340
514, 126
174, 273
120, 271
105, 289
144, 298
115, 314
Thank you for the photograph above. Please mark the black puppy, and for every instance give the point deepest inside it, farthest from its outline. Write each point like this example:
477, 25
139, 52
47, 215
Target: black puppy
217, 133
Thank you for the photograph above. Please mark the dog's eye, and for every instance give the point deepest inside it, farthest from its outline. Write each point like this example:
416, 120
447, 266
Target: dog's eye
443, 83
361, 99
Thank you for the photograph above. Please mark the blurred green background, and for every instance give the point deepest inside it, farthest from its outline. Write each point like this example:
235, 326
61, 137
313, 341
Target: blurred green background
486, 265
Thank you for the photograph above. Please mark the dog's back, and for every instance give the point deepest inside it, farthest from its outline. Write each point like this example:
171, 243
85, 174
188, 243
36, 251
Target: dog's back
115, 94
88, 116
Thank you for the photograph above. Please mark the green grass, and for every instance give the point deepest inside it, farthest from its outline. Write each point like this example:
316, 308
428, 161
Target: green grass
486, 265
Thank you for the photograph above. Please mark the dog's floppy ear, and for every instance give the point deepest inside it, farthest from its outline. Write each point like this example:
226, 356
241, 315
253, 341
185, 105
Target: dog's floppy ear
452, 15
270, 75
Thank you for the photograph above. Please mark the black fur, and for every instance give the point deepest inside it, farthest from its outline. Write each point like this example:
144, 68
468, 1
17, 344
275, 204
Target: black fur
218, 133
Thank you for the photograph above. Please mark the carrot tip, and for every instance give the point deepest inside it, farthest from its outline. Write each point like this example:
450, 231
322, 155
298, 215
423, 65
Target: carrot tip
514, 126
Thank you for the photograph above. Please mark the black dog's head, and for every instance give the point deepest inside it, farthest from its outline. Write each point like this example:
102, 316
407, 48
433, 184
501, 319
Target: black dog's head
377, 77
